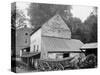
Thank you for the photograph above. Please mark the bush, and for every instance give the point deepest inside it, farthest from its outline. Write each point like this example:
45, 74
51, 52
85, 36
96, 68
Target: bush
89, 62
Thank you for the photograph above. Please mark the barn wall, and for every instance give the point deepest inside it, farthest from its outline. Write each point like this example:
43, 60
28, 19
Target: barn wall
35, 41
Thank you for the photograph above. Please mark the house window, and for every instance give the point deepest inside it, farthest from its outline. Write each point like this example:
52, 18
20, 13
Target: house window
34, 47
26, 33
25, 40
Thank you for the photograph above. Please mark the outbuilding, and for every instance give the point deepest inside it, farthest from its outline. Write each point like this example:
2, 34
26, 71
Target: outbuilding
89, 48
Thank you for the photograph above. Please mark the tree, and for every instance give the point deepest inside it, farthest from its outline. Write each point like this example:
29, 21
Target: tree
86, 32
40, 13
91, 28
17, 16
20, 18
76, 27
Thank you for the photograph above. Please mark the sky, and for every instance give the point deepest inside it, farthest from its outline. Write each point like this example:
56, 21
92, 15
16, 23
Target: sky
23, 6
81, 12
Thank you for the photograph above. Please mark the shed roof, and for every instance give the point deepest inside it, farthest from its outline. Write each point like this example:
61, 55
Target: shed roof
52, 44
28, 54
89, 46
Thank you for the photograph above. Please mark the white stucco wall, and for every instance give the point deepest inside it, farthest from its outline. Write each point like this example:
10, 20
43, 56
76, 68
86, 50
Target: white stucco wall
35, 41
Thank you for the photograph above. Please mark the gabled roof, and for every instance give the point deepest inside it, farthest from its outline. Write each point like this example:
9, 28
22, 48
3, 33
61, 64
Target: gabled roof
34, 30
61, 45
56, 27
89, 46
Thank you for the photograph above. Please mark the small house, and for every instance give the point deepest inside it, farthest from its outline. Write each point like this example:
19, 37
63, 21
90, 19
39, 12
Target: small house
22, 39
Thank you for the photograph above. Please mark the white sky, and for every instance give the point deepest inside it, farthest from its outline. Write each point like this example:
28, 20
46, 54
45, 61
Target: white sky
23, 6
81, 12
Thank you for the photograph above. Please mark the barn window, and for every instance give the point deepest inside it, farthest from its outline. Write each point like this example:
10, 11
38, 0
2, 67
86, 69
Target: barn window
65, 55
37, 48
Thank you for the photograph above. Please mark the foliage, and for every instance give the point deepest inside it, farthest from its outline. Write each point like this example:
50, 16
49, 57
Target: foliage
91, 28
89, 62
85, 31
17, 17
40, 13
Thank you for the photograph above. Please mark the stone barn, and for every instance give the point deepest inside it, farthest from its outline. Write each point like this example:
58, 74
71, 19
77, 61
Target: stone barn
53, 40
